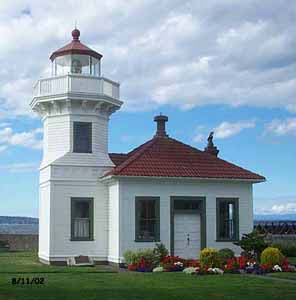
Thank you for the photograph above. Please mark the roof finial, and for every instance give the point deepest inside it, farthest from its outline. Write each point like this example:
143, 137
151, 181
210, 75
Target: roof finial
75, 34
211, 149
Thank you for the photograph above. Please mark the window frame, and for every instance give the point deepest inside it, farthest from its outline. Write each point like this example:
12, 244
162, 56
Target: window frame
137, 218
91, 218
90, 148
235, 202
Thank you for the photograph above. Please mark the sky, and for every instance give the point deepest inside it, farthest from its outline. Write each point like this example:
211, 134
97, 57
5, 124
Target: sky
222, 65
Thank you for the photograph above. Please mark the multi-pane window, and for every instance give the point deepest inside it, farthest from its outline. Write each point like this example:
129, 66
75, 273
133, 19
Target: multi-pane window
82, 219
227, 219
147, 219
82, 137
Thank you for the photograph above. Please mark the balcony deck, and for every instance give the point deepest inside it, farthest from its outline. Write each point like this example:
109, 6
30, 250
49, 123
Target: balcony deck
73, 83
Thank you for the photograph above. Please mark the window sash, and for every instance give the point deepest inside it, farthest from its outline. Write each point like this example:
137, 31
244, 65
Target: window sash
82, 137
81, 227
227, 219
147, 219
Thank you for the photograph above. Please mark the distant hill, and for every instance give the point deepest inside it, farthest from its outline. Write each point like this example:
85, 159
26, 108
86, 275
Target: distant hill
18, 220
18, 225
287, 217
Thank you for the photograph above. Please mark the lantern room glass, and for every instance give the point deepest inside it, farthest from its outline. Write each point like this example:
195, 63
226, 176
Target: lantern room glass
76, 64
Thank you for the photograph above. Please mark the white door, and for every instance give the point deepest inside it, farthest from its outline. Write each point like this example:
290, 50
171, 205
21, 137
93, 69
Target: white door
187, 235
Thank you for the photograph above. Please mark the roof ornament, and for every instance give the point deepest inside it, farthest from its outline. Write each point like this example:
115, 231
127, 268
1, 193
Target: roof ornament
211, 149
76, 34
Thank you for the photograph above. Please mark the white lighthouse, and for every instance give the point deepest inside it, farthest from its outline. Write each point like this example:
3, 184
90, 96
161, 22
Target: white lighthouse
75, 104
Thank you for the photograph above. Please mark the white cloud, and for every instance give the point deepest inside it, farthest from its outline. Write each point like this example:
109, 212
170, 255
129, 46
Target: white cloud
189, 54
28, 139
227, 129
199, 137
19, 167
282, 127
278, 209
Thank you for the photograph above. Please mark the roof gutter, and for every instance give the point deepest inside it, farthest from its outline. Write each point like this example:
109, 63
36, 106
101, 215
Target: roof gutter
109, 177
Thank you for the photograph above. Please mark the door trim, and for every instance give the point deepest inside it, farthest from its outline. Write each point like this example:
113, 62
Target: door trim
201, 211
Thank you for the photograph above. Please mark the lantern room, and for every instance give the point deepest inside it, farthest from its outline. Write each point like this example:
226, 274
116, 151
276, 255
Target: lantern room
76, 58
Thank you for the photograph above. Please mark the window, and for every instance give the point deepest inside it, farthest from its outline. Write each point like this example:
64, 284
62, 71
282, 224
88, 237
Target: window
81, 219
227, 219
147, 219
82, 137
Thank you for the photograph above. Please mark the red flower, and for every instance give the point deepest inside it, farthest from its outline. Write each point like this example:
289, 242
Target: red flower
285, 265
266, 267
132, 267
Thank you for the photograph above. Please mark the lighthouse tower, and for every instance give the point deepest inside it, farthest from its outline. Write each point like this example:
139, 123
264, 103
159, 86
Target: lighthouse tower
75, 104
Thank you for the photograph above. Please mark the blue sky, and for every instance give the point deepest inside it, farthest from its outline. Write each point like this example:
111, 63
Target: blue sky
223, 65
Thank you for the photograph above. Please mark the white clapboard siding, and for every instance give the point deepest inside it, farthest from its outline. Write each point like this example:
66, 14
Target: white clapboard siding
130, 188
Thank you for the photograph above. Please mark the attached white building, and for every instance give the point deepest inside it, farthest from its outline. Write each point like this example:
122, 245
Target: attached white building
99, 204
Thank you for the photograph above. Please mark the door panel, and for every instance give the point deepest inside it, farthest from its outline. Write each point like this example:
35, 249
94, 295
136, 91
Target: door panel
187, 235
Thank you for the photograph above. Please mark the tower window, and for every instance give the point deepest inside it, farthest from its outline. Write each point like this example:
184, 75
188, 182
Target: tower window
82, 137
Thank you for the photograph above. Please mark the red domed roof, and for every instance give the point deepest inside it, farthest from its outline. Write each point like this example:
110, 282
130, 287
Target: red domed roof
75, 47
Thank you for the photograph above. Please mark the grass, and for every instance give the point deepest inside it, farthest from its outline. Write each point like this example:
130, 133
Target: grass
284, 275
99, 283
292, 260
27, 262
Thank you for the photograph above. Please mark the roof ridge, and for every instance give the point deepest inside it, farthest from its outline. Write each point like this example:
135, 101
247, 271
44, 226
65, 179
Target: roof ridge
135, 156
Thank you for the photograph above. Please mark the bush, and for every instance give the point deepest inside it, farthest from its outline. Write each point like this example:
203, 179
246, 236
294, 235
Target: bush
288, 249
3, 244
160, 252
253, 243
134, 257
272, 256
209, 258
224, 255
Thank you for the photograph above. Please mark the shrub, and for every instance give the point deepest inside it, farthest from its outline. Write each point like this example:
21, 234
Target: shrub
272, 256
160, 251
134, 257
3, 244
253, 243
224, 255
288, 249
209, 258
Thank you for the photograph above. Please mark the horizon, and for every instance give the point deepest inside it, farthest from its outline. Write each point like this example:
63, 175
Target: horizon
200, 65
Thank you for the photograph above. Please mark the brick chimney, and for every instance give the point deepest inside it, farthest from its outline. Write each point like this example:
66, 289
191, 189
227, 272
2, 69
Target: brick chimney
160, 120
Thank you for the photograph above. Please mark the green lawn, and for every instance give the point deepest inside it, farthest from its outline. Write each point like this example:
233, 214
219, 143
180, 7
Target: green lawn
284, 275
100, 283
292, 260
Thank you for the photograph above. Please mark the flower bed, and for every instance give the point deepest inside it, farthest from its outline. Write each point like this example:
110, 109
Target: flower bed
149, 260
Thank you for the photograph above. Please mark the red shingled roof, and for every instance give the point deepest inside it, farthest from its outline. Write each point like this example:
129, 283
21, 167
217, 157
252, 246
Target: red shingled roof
167, 157
118, 158
75, 47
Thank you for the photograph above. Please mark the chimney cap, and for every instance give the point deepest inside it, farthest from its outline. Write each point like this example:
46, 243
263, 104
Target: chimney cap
161, 120
161, 117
